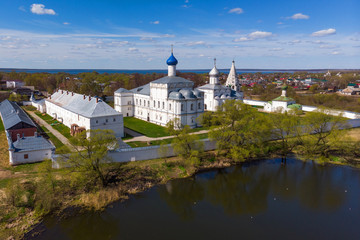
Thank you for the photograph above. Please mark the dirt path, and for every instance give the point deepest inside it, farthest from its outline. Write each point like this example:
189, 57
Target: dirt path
148, 139
59, 136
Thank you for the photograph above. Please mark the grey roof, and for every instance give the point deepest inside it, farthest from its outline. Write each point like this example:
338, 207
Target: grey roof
32, 144
144, 90
173, 79
212, 86
12, 114
122, 90
188, 94
76, 103
176, 96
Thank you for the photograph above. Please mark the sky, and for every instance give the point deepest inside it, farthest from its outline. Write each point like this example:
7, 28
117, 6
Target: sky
138, 34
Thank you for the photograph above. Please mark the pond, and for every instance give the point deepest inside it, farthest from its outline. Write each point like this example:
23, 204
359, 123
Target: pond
257, 200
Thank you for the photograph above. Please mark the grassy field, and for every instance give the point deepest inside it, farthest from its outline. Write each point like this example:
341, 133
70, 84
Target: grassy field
58, 144
150, 129
143, 127
4, 154
61, 128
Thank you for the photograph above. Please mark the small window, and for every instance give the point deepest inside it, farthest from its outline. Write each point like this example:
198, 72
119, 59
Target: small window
148, 103
154, 104
97, 121
205, 106
114, 120
182, 107
136, 101
170, 106
192, 107
199, 106
26, 156
106, 120
158, 104
163, 105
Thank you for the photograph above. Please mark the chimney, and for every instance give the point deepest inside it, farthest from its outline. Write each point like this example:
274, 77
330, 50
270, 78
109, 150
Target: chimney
67, 92
18, 136
84, 96
97, 100
35, 134
23, 135
89, 98
62, 91
50, 96
72, 93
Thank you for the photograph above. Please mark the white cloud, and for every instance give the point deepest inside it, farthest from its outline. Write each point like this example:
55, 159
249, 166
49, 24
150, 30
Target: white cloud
276, 49
236, 10
298, 16
335, 53
327, 46
324, 32
133, 49
195, 43
41, 10
22, 8
253, 36
66, 23
155, 22
280, 23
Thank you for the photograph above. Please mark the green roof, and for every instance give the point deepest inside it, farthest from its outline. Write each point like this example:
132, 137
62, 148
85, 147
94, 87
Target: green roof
283, 99
294, 106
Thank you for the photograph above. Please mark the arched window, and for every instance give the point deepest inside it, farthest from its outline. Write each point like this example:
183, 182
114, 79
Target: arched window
199, 105
192, 107
154, 103
148, 103
158, 104
182, 107
205, 106
163, 105
170, 106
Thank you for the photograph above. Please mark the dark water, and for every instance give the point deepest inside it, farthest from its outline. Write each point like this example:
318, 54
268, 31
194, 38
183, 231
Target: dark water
262, 200
200, 71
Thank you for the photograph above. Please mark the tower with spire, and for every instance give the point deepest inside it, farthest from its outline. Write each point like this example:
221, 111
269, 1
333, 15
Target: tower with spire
232, 80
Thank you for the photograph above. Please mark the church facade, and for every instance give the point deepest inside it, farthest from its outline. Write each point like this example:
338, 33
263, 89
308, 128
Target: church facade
216, 94
162, 100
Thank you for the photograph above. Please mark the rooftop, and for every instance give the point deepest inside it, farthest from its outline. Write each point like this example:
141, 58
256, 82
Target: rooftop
32, 144
12, 114
83, 105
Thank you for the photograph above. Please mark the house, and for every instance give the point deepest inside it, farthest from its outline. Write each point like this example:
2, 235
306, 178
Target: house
14, 84
282, 103
16, 121
80, 112
25, 145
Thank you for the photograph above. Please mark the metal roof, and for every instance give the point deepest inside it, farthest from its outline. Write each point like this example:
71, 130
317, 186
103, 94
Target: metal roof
85, 107
144, 90
32, 144
12, 114
212, 86
172, 79
122, 90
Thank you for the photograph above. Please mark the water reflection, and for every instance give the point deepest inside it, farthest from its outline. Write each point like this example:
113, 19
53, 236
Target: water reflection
249, 189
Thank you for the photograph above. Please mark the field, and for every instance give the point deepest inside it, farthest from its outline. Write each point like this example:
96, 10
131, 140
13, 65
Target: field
145, 128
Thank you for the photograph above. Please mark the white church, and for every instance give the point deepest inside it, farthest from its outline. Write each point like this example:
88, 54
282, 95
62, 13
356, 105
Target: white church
215, 94
173, 97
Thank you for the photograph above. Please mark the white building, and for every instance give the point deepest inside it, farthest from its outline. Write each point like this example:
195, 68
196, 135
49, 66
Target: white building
30, 149
80, 112
215, 94
232, 80
162, 100
14, 84
282, 104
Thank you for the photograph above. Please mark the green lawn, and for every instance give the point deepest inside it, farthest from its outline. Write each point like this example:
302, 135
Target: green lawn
159, 142
58, 144
1, 125
61, 128
143, 127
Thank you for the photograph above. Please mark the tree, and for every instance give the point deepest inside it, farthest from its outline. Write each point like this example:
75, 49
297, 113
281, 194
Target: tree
243, 130
186, 145
314, 88
323, 131
90, 157
287, 129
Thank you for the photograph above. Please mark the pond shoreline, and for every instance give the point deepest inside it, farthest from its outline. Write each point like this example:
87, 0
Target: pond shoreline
221, 163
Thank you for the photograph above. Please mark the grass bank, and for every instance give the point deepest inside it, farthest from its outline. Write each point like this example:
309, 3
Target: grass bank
61, 128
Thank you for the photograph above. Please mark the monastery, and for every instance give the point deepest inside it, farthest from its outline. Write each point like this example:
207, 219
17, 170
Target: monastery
173, 97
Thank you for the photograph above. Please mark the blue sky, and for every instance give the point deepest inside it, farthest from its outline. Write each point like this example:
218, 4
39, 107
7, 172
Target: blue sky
137, 34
